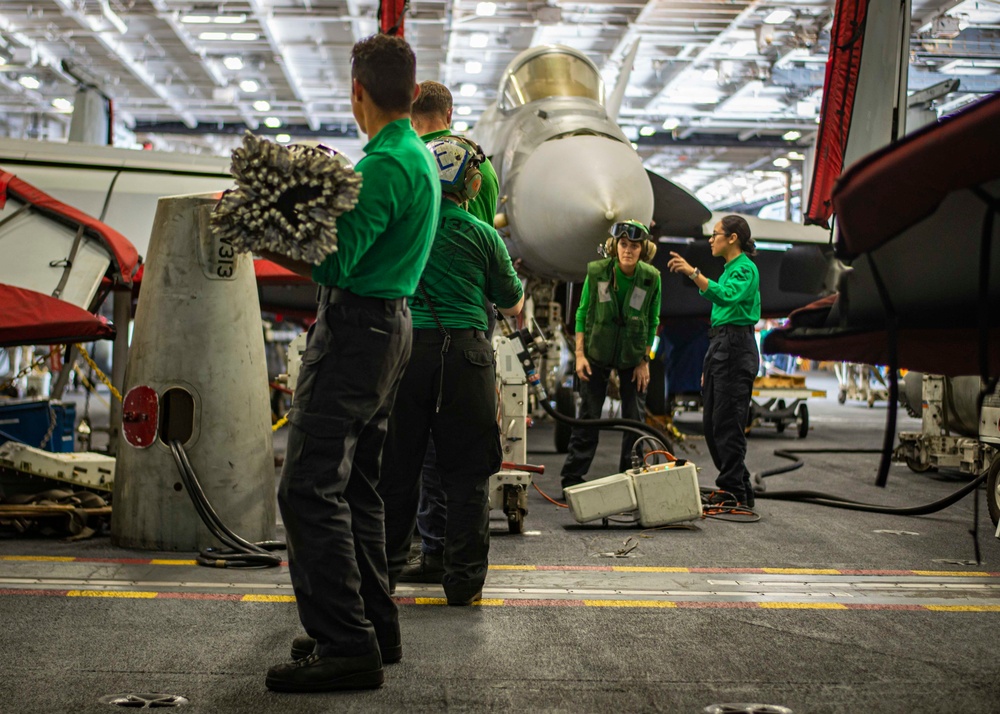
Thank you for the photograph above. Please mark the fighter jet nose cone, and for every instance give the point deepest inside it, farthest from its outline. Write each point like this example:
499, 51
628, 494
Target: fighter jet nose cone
565, 197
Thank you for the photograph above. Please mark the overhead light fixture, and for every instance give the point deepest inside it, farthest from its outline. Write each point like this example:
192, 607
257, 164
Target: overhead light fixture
468, 90
647, 130
229, 19
233, 63
196, 19
710, 75
671, 123
249, 86
796, 156
62, 104
112, 17
473, 67
283, 138
461, 126
479, 40
29, 82
778, 16
272, 122
262, 105
781, 162
464, 111
212, 36
243, 36
791, 135
486, 9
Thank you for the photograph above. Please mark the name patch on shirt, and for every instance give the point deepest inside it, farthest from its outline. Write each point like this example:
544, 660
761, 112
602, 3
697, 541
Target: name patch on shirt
637, 299
603, 293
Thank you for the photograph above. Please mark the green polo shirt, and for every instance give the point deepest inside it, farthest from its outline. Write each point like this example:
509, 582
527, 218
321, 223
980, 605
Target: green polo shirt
736, 297
469, 265
484, 205
384, 241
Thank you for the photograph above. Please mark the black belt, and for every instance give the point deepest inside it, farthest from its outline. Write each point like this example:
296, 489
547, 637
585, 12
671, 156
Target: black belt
723, 329
432, 334
338, 296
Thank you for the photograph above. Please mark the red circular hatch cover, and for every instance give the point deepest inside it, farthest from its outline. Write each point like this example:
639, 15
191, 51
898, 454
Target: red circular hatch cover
140, 410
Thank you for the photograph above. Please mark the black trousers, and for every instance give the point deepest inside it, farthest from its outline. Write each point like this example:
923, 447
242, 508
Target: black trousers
730, 367
467, 442
333, 516
583, 440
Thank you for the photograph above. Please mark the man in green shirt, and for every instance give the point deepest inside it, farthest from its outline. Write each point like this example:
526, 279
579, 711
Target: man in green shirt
354, 359
431, 114
615, 327
449, 389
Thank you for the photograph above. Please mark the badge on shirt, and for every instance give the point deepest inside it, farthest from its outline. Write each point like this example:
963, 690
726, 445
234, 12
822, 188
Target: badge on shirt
603, 293
638, 297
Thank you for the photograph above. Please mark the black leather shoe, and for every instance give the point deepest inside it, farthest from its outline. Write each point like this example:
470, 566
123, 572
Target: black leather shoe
326, 674
429, 569
462, 600
304, 645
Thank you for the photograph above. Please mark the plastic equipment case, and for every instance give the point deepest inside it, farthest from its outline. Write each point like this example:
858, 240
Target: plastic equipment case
601, 497
28, 421
662, 494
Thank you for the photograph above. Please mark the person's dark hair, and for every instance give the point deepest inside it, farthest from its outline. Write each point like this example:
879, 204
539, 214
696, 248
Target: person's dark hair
387, 68
738, 225
434, 100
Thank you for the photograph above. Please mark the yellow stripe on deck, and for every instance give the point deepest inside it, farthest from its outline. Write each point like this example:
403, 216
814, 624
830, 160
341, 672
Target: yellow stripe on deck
130, 594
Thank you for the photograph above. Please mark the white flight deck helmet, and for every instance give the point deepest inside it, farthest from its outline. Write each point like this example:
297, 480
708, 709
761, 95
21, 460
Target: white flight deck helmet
458, 167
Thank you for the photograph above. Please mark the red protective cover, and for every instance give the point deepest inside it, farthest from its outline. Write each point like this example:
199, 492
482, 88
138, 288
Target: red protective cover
124, 256
846, 39
140, 416
390, 13
31, 318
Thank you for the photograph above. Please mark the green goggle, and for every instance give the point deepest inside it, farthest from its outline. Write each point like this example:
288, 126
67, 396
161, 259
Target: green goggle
632, 230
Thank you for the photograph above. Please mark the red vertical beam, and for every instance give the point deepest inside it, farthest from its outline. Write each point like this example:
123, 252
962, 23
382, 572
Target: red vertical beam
391, 14
839, 87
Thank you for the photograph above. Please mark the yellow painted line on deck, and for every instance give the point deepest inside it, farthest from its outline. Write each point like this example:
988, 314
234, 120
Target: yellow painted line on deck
802, 605
801, 571
950, 574
629, 603
39, 558
513, 567
490, 602
647, 569
127, 594
964, 608
173, 562
429, 601
267, 598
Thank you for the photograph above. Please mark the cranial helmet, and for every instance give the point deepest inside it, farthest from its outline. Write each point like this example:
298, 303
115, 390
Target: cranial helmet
634, 231
458, 162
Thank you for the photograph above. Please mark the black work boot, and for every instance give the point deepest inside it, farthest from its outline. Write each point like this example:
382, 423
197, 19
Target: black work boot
304, 645
326, 674
429, 569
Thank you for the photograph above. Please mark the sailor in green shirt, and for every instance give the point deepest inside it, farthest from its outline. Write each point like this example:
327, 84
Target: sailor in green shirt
615, 327
732, 360
449, 389
351, 368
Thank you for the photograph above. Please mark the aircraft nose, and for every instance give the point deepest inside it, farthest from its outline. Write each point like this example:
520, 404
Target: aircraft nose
566, 196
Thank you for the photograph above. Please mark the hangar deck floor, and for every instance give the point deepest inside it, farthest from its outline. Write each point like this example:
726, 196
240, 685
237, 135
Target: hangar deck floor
811, 608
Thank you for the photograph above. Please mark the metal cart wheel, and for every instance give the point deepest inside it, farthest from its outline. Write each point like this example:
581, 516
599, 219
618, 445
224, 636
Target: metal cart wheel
802, 419
918, 467
842, 396
512, 507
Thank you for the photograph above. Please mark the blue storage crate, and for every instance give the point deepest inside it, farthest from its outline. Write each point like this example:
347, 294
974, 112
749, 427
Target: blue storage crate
27, 421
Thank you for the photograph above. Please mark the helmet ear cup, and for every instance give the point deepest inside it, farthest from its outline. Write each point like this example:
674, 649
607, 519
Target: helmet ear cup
473, 182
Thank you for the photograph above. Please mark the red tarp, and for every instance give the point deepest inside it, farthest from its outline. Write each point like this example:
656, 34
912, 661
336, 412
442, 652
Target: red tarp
124, 256
914, 175
846, 39
31, 318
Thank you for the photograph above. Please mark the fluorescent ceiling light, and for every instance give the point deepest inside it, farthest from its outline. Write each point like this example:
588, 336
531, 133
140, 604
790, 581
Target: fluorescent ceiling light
778, 16
262, 105
233, 63
647, 130
283, 138
196, 19
29, 82
671, 123
479, 40
791, 135
781, 162
464, 111
461, 126
486, 9
62, 104
468, 89
272, 122
243, 36
212, 36
710, 75
473, 67
229, 19
796, 156
249, 86
743, 48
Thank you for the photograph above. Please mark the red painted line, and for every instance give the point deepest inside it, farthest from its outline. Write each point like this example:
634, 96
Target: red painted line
704, 604
19, 591
405, 600
232, 597
544, 603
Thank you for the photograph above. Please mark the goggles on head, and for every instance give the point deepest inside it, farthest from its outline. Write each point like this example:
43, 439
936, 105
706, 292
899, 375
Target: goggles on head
631, 230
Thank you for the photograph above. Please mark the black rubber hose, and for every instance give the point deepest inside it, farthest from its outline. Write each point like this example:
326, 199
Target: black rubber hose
629, 425
242, 553
826, 499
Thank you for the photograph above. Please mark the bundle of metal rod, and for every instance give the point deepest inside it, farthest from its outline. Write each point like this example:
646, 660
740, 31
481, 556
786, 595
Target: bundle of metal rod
286, 200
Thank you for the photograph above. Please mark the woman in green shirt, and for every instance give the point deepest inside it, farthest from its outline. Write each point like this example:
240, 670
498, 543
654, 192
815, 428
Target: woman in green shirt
732, 360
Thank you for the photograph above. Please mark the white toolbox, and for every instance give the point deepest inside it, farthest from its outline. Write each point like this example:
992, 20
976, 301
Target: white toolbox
667, 494
601, 497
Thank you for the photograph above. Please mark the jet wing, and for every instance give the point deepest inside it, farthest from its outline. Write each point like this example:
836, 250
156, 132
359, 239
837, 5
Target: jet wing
675, 211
